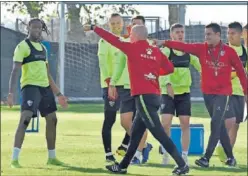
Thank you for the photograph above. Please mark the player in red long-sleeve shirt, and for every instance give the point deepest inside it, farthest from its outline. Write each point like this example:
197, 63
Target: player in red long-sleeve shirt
145, 64
217, 60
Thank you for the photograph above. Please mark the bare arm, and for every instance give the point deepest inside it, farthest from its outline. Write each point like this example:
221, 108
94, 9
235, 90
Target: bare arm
14, 75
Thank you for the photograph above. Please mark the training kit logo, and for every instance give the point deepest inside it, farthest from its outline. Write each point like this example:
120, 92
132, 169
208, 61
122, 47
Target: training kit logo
148, 54
111, 103
149, 51
162, 106
30, 102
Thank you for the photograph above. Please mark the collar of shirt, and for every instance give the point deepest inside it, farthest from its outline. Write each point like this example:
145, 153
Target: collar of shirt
238, 49
142, 41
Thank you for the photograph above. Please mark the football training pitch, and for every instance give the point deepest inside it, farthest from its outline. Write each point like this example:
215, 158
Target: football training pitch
79, 144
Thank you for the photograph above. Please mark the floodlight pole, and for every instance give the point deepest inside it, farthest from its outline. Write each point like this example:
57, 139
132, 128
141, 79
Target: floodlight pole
62, 48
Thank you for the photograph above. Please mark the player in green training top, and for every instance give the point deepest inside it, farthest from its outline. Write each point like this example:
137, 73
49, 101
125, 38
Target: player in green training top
127, 108
38, 89
175, 90
107, 55
235, 111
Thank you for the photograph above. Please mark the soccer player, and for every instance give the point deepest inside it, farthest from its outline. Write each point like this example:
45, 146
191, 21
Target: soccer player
145, 64
107, 54
38, 89
217, 60
235, 112
176, 91
127, 107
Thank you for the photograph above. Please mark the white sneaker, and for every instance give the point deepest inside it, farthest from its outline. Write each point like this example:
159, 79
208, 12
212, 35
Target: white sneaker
166, 159
185, 158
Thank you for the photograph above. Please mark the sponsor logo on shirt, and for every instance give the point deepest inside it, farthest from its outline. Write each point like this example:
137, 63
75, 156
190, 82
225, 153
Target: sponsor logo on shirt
150, 76
148, 54
219, 65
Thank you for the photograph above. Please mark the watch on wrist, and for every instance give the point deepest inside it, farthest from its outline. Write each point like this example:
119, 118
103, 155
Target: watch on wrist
58, 94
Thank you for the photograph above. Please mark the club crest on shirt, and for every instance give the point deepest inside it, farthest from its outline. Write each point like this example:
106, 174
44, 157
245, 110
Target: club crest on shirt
111, 103
222, 53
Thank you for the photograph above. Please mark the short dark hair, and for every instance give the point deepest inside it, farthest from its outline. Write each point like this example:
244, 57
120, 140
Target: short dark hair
245, 27
139, 17
235, 25
215, 27
114, 15
175, 26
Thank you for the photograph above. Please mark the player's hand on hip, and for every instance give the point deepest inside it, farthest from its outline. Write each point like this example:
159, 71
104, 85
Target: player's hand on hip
170, 90
63, 101
10, 100
112, 93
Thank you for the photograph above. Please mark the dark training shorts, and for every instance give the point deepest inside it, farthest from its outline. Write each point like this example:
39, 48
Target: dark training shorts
36, 98
127, 101
235, 108
180, 105
110, 105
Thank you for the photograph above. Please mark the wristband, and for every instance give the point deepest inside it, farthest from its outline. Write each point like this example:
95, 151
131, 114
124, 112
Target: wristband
58, 94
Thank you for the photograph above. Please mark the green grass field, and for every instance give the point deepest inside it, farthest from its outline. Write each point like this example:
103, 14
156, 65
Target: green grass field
79, 144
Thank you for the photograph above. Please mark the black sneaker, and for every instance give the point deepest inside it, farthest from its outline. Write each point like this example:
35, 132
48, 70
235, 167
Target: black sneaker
115, 168
202, 162
181, 170
110, 159
231, 162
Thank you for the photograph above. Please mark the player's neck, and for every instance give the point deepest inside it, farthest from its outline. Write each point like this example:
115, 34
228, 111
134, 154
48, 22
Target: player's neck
235, 44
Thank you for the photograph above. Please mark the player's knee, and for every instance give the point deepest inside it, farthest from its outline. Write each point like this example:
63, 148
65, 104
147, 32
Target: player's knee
51, 119
26, 116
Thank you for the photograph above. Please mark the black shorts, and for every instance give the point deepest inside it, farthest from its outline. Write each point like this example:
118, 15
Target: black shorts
180, 105
127, 101
36, 98
217, 105
235, 108
110, 105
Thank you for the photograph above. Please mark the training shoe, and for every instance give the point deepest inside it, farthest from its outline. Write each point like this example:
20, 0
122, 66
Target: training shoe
202, 162
121, 151
15, 164
115, 168
181, 170
55, 162
135, 161
146, 152
185, 158
231, 162
221, 153
110, 159
166, 159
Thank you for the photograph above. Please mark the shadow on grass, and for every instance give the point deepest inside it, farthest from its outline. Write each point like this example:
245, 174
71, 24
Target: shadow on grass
239, 169
92, 170
198, 109
157, 165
